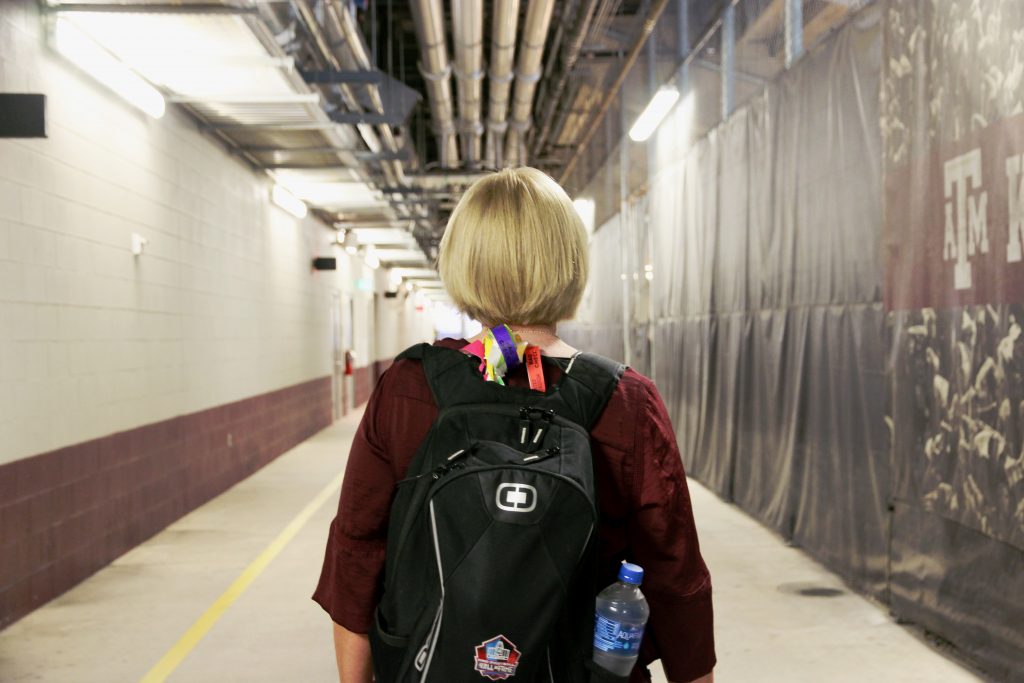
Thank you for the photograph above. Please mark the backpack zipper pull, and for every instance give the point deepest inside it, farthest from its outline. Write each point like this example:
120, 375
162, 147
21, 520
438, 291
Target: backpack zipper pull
550, 452
451, 463
421, 657
524, 425
547, 417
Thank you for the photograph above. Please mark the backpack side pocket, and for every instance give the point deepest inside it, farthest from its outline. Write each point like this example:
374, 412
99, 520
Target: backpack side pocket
387, 651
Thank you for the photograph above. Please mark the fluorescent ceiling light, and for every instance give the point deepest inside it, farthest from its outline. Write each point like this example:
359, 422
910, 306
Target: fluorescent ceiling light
348, 239
585, 208
89, 56
411, 273
333, 196
289, 202
370, 257
413, 256
385, 236
224, 58
656, 110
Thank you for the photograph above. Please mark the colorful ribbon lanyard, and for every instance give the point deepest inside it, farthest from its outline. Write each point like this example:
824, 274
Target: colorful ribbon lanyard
501, 351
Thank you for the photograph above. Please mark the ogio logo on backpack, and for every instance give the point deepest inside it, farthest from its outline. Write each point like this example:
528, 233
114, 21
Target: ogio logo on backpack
516, 497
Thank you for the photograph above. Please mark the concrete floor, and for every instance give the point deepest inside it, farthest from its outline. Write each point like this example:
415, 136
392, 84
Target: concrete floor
117, 625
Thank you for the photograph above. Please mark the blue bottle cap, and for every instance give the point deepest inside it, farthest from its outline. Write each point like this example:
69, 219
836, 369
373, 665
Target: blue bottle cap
631, 573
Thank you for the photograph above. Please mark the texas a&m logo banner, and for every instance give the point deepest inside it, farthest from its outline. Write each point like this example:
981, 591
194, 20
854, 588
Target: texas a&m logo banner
954, 222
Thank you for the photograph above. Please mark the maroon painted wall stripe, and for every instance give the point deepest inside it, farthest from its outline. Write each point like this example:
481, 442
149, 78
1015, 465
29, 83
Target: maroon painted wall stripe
362, 381
379, 367
67, 513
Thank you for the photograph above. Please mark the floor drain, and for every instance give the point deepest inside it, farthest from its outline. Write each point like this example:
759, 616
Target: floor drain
810, 590
820, 592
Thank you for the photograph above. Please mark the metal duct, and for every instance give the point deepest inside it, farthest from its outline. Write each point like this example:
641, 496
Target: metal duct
554, 51
444, 181
328, 56
468, 33
528, 72
437, 70
357, 57
503, 50
572, 53
645, 31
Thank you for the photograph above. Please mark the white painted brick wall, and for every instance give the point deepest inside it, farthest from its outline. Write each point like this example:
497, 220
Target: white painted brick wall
221, 306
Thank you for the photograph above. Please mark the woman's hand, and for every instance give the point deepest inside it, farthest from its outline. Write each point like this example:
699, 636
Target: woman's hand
352, 651
710, 678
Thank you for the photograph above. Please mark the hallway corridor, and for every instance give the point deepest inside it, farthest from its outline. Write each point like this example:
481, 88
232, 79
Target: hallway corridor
143, 618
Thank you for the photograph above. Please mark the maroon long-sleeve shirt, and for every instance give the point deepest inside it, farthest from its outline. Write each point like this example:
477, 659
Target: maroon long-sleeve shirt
643, 499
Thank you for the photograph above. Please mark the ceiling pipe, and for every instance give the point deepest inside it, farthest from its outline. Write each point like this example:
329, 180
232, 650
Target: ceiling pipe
555, 48
563, 116
444, 181
468, 34
528, 72
554, 51
343, 25
645, 31
275, 29
572, 53
437, 70
503, 49
328, 56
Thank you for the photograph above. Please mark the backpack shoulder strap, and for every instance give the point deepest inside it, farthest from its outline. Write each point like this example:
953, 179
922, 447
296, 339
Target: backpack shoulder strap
588, 385
414, 352
449, 375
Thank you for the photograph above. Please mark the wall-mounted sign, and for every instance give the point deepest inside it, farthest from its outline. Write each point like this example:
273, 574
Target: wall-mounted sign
22, 115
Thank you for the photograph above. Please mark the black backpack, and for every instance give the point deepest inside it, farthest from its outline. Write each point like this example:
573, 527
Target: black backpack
490, 567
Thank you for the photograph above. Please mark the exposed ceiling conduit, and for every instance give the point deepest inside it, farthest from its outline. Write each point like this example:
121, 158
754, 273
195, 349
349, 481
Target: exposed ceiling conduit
645, 31
528, 72
444, 181
572, 53
327, 55
468, 34
554, 49
503, 50
343, 23
437, 70
274, 36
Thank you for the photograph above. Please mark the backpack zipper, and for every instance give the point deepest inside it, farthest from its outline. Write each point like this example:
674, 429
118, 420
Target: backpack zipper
431, 642
454, 462
512, 411
425, 656
451, 463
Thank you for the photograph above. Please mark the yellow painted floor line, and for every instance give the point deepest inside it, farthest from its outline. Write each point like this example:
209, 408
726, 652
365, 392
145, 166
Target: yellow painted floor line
195, 633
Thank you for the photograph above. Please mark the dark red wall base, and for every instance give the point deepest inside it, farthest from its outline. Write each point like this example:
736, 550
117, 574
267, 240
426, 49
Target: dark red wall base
67, 513
379, 368
362, 384
364, 379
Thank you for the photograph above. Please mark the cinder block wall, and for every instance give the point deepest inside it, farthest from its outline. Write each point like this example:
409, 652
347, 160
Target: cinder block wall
135, 388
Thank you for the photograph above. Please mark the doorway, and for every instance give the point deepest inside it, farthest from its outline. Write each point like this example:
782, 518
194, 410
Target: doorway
337, 357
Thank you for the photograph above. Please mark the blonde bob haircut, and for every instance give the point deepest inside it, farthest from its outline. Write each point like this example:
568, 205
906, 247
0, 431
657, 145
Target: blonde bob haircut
515, 250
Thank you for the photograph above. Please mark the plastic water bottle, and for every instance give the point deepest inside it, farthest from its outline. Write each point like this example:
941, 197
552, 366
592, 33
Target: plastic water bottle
619, 622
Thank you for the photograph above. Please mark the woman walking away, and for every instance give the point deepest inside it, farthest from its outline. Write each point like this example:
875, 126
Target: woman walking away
495, 485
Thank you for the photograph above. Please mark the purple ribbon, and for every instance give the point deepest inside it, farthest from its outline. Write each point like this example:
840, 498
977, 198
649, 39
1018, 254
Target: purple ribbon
507, 345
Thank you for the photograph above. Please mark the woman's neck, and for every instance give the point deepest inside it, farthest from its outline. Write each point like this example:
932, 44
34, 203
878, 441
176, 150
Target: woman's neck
543, 336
